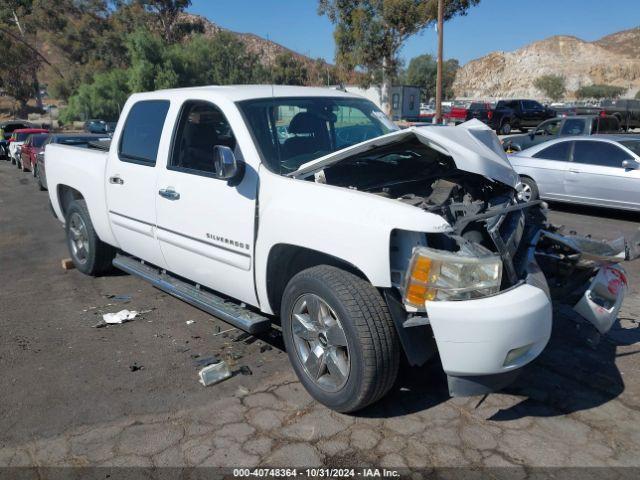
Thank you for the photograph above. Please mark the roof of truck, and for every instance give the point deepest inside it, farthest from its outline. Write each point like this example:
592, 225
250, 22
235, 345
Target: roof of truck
247, 92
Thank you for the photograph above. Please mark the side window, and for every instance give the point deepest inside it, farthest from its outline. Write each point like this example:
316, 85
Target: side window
557, 151
599, 153
550, 127
141, 133
201, 127
573, 126
412, 101
395, 101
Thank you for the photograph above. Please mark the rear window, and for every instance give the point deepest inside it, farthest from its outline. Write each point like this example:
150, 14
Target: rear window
606, 125
141, 134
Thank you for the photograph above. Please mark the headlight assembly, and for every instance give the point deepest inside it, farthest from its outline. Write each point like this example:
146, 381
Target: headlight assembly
472, 272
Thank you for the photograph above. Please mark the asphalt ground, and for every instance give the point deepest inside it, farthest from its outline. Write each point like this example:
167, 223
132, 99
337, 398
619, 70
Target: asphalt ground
73, 394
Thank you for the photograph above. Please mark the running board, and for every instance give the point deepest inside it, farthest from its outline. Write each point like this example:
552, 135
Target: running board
226, 310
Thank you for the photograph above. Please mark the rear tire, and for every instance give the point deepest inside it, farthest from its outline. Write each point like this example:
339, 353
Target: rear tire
89, 254
529, 191
346, 377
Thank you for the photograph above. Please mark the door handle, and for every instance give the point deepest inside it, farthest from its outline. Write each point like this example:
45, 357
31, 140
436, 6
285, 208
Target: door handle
116, 180
573, 170
169, 194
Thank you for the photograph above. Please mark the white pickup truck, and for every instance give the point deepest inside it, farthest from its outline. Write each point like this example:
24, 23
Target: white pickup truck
309, 209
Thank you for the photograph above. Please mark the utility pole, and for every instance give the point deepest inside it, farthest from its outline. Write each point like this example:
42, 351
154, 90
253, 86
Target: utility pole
439, 70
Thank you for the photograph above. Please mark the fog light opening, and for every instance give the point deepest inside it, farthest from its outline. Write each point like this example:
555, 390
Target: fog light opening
516, 354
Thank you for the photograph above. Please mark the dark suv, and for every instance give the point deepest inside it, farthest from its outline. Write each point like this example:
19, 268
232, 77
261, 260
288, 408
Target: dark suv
519, 115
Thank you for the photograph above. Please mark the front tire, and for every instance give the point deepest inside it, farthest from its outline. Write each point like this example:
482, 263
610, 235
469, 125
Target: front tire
529, 190
340, 338
89, 254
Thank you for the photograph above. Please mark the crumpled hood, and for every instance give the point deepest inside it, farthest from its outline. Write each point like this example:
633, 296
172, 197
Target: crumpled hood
473, 146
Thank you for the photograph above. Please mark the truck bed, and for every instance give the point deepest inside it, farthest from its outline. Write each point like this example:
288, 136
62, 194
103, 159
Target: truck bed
83, 170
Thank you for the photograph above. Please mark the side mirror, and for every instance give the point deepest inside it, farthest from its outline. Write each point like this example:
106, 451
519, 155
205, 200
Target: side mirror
532, 134
630, 165
225, 164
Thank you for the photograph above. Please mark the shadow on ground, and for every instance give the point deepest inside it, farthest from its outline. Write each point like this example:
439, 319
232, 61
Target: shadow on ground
577, 371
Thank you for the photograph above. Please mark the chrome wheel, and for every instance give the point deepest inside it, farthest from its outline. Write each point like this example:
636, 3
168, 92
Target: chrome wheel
320, 342
526, 194
78, 237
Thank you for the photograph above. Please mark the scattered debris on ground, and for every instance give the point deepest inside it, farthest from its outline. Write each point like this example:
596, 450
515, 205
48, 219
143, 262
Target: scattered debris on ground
190, 322
120, 317
135, 367
245, 370
223, 332
205, 361
119, 298
214, 373
67, 264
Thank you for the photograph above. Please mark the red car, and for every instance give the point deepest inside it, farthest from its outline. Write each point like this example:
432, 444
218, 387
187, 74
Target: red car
17, 139
456, 115
33, 145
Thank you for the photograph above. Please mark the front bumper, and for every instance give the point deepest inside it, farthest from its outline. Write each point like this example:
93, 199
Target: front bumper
492, 335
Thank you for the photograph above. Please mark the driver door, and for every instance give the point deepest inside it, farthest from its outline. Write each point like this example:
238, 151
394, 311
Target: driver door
205, 226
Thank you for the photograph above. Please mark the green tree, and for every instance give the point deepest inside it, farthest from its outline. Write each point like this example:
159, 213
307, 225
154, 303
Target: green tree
167, 14
422, 72
370, 33
450, 69
288, 70
553, 86
600, 91
103, 98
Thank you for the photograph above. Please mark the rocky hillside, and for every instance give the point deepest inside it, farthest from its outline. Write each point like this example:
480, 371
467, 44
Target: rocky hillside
255, 44
614, 60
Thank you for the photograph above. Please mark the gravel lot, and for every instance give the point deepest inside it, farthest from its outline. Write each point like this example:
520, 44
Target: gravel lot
70, 395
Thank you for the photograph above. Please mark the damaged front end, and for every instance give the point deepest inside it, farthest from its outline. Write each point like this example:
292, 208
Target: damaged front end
585, 273
480, 292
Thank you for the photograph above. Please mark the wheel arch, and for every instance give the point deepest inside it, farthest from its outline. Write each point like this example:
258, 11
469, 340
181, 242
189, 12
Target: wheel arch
66, 195
286, 260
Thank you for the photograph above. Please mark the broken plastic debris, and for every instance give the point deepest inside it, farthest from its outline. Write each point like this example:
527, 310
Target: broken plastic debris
189, 322
223, 332
135, 367
245, 370
206, 361
119, 297
214, 373
120, 317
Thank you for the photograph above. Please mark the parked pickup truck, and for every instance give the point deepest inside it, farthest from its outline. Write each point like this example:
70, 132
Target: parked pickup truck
518, 115
412, 242
560, 127
626, 110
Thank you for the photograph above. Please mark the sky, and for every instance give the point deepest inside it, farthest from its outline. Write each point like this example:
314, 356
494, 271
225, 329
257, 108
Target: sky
492, 25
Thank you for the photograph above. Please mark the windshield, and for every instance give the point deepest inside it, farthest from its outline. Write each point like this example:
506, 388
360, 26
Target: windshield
38, 140
292, 131
633, 145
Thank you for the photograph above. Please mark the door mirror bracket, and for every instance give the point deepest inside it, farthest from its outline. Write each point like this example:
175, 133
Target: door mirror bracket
226, 166
630, 165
